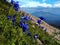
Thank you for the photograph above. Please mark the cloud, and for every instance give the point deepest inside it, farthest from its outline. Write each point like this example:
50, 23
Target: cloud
31, 3
36, 4
43, 0
57, 5
45, 5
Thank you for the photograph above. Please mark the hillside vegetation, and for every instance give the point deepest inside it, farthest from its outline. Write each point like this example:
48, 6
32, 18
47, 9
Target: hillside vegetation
16, 30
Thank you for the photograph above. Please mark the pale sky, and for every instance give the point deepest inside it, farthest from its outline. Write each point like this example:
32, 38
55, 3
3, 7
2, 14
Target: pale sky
41, 3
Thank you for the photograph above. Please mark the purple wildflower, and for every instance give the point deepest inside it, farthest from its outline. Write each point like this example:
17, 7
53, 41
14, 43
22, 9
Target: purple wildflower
25, 27
21, 24
35, 36
12, 2
8, 17
42, 27
41, 18
16, 9
14, 18
23, 21
29, 34
27, 18
16, 6
39, 21
22, 17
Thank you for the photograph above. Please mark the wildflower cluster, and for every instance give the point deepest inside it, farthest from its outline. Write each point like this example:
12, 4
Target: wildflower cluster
15, 5
23, 24
17, 29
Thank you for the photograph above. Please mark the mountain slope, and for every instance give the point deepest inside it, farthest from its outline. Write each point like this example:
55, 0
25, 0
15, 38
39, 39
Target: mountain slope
11, 32
51, 15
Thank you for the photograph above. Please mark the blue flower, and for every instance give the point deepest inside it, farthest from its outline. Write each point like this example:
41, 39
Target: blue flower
14, 16
13, 20
23, 21
21, 24
25, 27
39, 21
16, 9
8, 17
41, 18
42, 27
12, 1
22, 17
16, 6
35, 36
29, 34
27, 18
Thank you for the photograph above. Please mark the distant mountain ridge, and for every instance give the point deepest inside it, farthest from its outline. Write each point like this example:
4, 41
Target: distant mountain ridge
51, 10
52, 15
